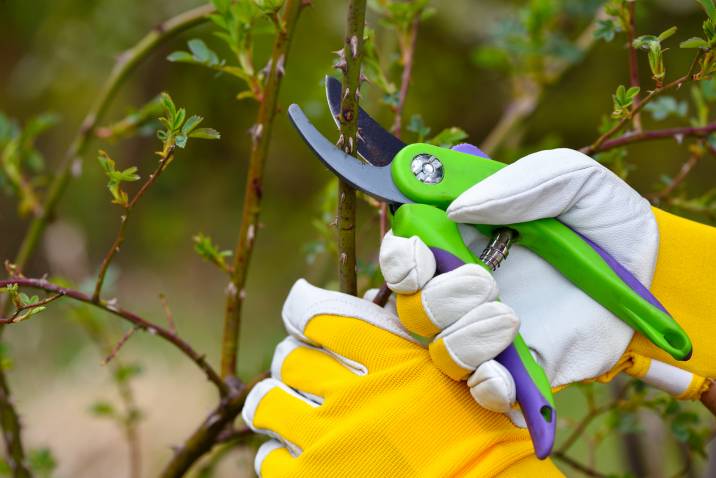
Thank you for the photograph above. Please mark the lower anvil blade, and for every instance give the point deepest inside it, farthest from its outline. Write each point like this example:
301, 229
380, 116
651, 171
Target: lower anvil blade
375, 181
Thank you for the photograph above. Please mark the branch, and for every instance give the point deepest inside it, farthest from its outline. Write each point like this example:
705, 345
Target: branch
407, 53
350, 63
207, 435
11, 430
528, 93
630, 138
577, 465
633, 63
119, 240
17, 315
678, 83
126, 63
136, 320
261, 136
695, 155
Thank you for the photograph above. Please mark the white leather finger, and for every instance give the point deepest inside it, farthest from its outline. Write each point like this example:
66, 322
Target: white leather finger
306, 301
493, 387
406, 263
476, 338
572, 186
450, 296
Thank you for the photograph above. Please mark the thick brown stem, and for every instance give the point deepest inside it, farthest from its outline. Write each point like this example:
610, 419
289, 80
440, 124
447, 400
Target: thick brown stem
261, 136
351, 58
208, 434
11, 430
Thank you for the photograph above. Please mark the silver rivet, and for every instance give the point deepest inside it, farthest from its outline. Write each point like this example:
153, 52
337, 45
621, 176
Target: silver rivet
427, 168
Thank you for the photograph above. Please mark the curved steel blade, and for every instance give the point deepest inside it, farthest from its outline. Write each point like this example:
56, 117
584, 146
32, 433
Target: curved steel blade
376, 181
375, 144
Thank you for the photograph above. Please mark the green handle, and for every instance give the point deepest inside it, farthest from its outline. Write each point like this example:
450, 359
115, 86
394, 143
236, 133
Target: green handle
563, 248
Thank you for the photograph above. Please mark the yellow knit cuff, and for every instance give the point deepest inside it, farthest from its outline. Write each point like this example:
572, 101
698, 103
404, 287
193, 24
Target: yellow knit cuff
634, 364
413, 316
696, 388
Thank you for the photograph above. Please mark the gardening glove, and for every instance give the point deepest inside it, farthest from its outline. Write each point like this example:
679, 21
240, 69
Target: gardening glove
570, 335
352, 394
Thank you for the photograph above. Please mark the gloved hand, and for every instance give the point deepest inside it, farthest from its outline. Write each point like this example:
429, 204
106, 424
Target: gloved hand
351, 394
571, 336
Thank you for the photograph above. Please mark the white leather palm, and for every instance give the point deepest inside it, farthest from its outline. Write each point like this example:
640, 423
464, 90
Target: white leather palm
571, 336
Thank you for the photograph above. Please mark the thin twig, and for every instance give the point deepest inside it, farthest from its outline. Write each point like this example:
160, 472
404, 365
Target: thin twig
633, 63
678, 83
407, 53
126, 63
261, 137
577, 465
14, 317
667, 133
407, 41
695, 155
118, 346
165, 159
138, 321
168, 313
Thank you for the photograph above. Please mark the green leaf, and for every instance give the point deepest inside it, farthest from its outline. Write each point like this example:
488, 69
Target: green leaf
42, 462
694, 42
667, 33
417, 125
448, 137
709, 7
606, 29
191, 124
209, 251
181, 57
168, 104
102, 408
127, 372
180, 140
205, 133
665, 106
203, 53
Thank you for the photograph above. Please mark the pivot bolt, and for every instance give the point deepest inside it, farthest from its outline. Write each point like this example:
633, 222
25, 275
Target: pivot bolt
427, 168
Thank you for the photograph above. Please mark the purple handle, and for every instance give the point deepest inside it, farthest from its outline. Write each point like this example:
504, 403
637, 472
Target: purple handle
539, 414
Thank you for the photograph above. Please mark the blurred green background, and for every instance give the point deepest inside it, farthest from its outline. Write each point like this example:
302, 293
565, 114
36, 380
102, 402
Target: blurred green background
54, 55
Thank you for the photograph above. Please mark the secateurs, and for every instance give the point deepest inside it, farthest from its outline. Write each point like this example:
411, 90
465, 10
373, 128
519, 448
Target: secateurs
419, 181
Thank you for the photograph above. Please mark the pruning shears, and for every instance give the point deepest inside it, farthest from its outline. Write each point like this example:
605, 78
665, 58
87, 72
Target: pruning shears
419, 181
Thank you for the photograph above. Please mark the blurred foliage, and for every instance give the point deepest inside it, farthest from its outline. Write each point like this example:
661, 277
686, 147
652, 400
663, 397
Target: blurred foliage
471, 60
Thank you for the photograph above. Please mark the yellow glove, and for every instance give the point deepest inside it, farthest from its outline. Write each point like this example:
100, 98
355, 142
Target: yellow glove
353, 395
684, 283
